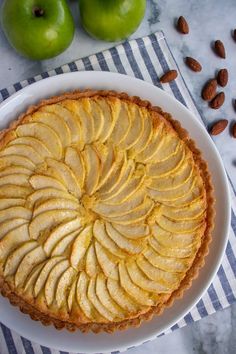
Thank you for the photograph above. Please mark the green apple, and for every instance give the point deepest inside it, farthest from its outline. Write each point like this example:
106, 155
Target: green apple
37, 29
111, 20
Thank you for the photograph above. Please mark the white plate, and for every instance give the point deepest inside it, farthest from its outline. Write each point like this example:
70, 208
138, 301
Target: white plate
90, 343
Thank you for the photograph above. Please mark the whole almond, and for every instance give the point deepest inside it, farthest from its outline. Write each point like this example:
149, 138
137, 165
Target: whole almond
182, 25
169, 76
209, 90
234, 34
234, 130
222, 77
218, 100
220, 49
219, 127
193, 64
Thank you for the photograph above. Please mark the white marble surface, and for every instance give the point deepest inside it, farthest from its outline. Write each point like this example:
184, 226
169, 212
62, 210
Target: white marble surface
209, 20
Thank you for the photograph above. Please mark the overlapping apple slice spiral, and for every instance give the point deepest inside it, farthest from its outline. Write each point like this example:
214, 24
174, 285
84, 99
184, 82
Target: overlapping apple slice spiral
102, 209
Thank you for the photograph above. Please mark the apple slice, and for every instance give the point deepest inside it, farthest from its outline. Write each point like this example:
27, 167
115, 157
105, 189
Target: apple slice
175, 180
45, 134
98, 118
42, 182
192, 211
108, 156
74, 159
55, 203
31, 279
129, 246
167, 279
92, 168
108, 266
133, 231
195, 193
30, 260
82, 298
14, 259
66, 176
80, 246
173, 194
12, 170
109, 118
36, 144
13, 238
85, 120
173, 240
55, 122
12, 191
139, 278
16, 160
15, 179
9, 225
41, 195
122, 125
43, 275
120, 296
71, 295
48, 220
136, 129
52, 280
168, 166
6, 203
63, 246
63, 286
182, 226
106, 299
145, 139
68, 117
139, 295
107, 210
173, 252
23, 150
169, 146
60, 231
105, 240
91, 264
15, 212
167, 264
151, 149
92, 296
125, 178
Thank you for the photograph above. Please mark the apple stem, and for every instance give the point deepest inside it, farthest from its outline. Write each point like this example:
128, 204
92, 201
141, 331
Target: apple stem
38, 12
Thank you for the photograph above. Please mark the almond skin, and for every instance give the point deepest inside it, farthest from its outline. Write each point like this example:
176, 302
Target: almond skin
223, 77
193, 64
182, 25
218, 100
220, 49
234, 130
169, 76
219, 127
209, 90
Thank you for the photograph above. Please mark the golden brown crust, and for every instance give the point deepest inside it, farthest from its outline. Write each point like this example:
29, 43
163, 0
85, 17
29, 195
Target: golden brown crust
199, 260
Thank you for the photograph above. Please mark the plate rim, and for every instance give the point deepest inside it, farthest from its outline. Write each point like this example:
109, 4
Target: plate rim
16, 96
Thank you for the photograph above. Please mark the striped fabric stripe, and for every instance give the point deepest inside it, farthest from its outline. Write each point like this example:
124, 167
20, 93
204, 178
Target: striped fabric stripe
145, 58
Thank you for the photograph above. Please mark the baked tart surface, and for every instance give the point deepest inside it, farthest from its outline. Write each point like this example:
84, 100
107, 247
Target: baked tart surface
106, 211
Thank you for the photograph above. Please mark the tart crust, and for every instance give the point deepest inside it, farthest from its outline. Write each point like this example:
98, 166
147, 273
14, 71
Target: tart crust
199, 259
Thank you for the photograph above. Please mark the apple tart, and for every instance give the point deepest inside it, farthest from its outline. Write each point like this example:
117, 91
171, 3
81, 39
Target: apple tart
106, 211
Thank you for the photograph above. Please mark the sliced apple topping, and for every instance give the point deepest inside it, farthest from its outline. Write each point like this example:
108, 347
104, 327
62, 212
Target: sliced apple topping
139, 295
39, 284
32, 278
82, 298
98, 118
48, 220
80, 246
71, 295
54, 204
13, 191
30, 260
44, 194
133, 231
52, 280
10, 224
42, 182
168, 147
145, 137
173, 252
74, 159
136, 128
15, 179
92, 164
65, 175
56, 122
63, 247
182, 226
192, 211
101, 235
15, 212
122, 125
60, 231
92, 266
23, 150
129, 246
13, 238
63, 286
68, 117
16, 160
6, 203
15, 170
105, 261
110, 116
36, 144
45, 134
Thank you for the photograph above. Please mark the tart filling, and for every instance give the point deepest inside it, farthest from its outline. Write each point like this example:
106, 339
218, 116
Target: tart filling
106, 211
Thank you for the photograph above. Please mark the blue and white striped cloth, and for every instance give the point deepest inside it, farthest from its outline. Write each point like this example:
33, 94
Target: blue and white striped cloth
145, 58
